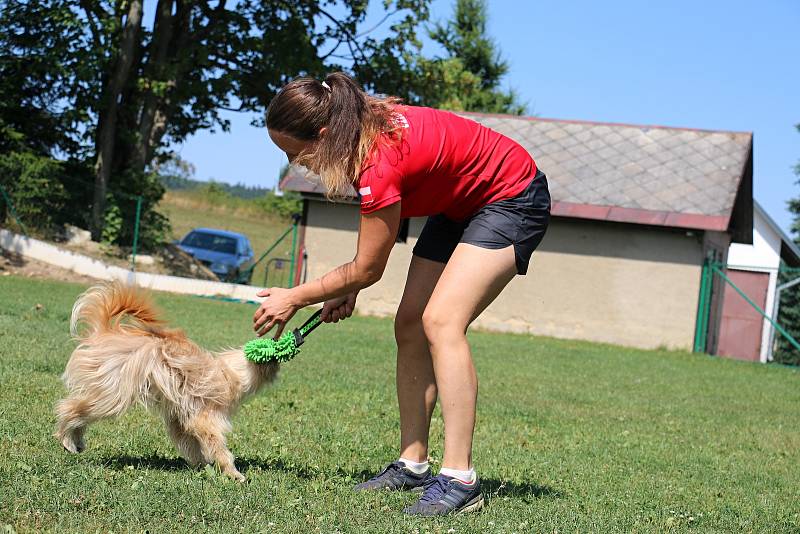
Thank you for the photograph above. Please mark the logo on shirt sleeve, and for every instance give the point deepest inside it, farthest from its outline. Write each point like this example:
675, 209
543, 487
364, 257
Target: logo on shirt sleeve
366, 195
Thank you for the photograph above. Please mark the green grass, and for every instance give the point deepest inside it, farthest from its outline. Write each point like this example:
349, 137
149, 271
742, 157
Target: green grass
571, 437
192, 209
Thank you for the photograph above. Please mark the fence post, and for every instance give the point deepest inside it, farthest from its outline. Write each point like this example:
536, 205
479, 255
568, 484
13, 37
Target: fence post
295, 224
707, 300
701, 307
13, 211
136, 232
704, 306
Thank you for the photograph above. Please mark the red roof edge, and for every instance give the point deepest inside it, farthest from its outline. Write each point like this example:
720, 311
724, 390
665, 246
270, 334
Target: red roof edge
640, 216
693, 221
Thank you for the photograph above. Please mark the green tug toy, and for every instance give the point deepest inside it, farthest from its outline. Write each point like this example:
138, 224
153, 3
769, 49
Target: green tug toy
284, 348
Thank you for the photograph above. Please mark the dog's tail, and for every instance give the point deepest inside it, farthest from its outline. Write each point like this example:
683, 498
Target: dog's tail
102, 309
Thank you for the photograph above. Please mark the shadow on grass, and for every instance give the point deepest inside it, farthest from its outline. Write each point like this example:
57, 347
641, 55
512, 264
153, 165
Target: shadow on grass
162, 463
492, 488
152, 461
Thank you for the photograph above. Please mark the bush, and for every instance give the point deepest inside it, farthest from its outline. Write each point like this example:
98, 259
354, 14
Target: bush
47, 193
124, 192
284, 205
33, 184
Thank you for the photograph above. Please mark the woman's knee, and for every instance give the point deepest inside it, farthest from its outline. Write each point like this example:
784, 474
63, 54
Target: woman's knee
408, 324
441, 326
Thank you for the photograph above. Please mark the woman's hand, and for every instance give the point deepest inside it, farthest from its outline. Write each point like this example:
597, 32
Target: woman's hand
339, 309
276, 310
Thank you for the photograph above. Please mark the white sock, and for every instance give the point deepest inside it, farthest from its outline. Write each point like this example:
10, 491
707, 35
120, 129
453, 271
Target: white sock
467, 477
415, 467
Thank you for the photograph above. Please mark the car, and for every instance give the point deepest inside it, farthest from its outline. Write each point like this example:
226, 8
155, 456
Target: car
227, 254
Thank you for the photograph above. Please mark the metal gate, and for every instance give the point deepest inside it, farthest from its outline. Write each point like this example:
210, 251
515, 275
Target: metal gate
742, 321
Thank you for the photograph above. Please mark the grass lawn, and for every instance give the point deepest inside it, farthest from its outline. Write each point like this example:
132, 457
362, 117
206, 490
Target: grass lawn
571, 437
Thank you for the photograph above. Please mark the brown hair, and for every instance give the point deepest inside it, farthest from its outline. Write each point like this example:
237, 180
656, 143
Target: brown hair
354, 122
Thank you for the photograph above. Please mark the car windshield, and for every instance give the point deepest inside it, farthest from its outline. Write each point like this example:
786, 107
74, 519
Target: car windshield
206, 241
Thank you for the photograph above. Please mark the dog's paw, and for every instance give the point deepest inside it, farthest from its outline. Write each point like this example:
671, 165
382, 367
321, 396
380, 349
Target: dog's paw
72, 445
237, 476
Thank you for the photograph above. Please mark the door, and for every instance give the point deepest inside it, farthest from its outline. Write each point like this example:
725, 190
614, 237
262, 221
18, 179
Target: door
740, 329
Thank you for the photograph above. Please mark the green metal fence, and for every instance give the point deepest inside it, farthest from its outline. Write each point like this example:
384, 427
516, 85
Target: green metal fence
264, 261
784, 326
7, 203
5, 200
282, 270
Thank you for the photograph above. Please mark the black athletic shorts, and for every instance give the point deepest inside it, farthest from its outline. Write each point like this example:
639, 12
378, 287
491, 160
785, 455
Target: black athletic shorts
520, 221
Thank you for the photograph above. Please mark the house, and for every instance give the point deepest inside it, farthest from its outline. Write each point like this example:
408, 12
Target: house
744, 333
636, 212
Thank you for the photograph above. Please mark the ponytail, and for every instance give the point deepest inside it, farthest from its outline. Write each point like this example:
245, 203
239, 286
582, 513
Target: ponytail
353, 121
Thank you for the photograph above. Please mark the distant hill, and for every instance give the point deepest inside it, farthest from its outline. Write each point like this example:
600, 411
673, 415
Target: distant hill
179, 183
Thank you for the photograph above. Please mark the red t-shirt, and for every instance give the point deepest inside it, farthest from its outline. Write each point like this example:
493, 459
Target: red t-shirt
444, 164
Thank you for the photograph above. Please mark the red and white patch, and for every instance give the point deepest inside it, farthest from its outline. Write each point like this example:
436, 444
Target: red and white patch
399, 121
366, 195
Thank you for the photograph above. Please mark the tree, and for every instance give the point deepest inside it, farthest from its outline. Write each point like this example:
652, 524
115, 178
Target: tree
789, 317
33, 42
35, 126
121, 91
794, 204
466, 78
94, 85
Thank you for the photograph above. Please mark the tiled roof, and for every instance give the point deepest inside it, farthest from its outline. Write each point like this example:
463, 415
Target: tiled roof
639, 174
297, 179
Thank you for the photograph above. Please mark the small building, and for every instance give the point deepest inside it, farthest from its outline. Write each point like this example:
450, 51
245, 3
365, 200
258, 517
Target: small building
744, 333
636, 212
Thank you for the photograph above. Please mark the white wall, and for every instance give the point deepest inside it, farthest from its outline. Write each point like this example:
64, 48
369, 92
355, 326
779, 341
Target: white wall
764, 253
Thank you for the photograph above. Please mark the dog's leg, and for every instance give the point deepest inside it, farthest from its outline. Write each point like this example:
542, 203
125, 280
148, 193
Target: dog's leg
208, 428
186, 443
74, 415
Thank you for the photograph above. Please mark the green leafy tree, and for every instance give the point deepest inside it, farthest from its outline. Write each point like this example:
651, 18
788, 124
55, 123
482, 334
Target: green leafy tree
789, 317
467, 78
33, 42
35, 126
116, 92
92, 85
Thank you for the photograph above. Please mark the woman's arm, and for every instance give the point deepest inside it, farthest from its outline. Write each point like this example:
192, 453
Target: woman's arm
376, 236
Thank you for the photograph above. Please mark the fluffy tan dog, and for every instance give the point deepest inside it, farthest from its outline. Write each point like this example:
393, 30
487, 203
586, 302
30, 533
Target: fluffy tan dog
126, 355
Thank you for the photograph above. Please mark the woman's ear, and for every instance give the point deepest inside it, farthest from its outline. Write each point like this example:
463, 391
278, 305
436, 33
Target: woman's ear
322, 131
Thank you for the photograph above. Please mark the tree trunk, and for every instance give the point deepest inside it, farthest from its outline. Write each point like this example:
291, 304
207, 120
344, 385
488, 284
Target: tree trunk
158, 64
3, 210
176, 57
107, 119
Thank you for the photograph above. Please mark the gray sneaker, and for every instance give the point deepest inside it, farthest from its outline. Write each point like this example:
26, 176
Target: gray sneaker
396, 476
446, 495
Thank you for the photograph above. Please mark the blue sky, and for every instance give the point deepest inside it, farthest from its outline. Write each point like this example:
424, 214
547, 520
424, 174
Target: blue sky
716, 64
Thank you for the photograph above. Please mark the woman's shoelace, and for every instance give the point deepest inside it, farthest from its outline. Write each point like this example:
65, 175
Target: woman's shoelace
435, 489
394, 466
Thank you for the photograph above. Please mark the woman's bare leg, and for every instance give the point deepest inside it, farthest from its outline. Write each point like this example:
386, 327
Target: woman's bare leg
416, 386
471, 280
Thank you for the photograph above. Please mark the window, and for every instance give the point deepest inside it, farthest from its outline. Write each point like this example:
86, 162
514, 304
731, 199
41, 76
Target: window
217, 243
